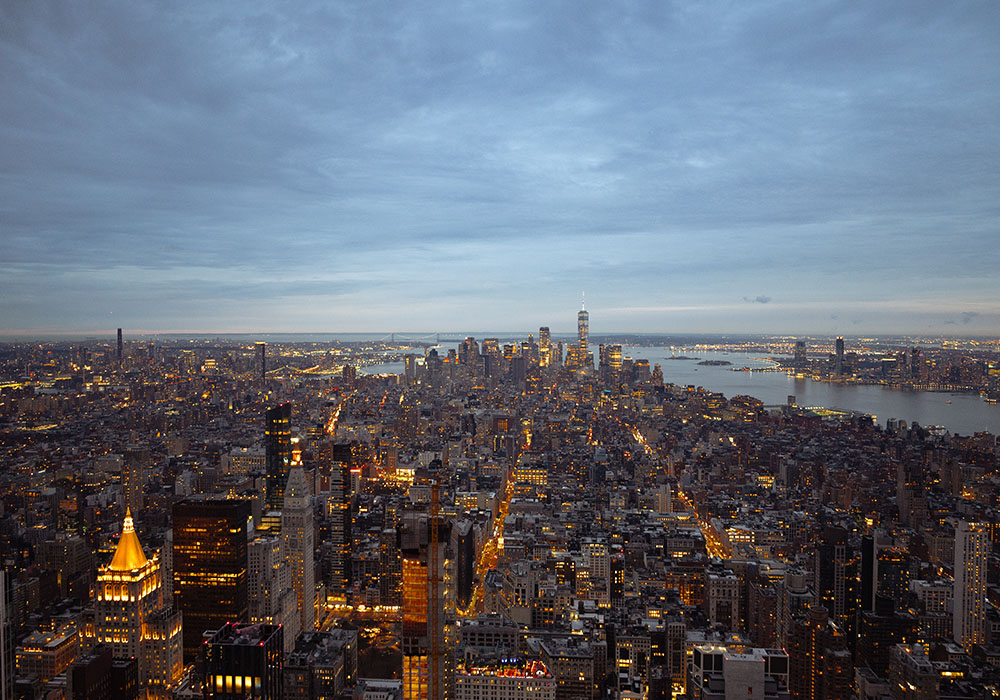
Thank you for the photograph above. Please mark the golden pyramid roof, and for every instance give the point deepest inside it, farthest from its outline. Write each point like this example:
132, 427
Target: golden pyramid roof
129, 555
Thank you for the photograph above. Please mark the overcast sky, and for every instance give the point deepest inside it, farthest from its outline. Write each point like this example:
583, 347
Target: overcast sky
796, 167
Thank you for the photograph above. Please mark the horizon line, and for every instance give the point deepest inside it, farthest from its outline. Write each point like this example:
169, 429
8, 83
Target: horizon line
38, 333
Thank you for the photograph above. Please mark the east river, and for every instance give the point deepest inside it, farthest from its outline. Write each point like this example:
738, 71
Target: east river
965, 414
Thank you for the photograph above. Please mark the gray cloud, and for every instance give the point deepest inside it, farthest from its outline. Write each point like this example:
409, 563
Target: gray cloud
759, 299
664, 150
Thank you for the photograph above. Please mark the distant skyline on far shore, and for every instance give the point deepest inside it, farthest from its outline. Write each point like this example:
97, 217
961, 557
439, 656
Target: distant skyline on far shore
454, 336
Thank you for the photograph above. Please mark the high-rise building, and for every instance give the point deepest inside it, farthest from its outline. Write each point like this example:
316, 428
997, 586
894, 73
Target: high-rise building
835, 577
820, 665
135, 465
210, 565
800, 354
270, 597
722, 597
838, 358
350, 375
70, 557
129, 617
6, 638
341, 533
463, 546
610, 361
972, 550
262, 347
468, 351
868, 582
244, 661
583, 337
893, 572
297, 543
544, 346
425, 607
879, 630
491, 348
278, 453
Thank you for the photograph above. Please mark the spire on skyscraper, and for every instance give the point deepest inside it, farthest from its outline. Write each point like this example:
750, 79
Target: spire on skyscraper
128, 555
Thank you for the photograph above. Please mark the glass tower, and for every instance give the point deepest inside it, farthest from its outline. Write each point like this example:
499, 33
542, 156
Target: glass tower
278, 453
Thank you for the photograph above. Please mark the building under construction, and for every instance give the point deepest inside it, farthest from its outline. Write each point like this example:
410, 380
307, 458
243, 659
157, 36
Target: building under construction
428, 605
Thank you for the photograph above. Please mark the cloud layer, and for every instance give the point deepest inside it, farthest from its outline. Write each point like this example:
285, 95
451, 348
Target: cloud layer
440, 166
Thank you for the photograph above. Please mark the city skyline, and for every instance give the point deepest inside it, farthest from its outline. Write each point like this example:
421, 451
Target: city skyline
774, 168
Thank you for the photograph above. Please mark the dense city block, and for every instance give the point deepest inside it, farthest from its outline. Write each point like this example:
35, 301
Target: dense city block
500, 517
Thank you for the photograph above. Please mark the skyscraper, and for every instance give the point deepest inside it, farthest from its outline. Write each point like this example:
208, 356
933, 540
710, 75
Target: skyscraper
972, 549
341, 520
544, 346
133, 476
278, 453
800, 360
424, 608
838, 361
270, 596
130, 618
835, 577
210, 565
297, 543
119, 354
583, 331
819, 662
7, 670
263, 360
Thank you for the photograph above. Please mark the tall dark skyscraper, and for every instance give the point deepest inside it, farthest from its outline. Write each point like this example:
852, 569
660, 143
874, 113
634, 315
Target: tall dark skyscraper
263, 360
341, 531
800, 354
869, 554
7, 668
278, 453
119, 347
838, 367
463, 546
835, 577
210, 565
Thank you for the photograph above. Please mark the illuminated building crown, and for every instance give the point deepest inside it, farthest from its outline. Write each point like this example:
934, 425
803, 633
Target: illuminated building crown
129, 555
